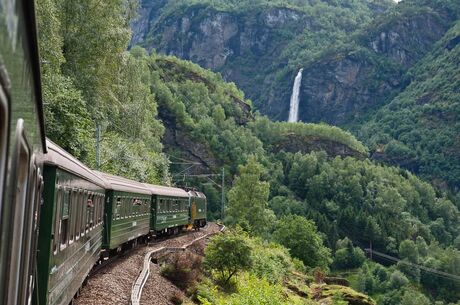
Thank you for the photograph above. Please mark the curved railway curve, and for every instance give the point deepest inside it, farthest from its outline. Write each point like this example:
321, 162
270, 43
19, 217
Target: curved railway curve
114, 283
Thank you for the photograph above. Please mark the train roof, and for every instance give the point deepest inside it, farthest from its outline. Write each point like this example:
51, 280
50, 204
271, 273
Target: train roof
57, 156
122, 184
194, 193
166, 191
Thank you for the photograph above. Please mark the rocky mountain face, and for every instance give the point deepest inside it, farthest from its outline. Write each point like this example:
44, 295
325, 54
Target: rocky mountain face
247, 46
350, 70
236, 45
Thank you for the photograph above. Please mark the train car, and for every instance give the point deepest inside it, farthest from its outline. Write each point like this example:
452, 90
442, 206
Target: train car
198, 210
22, 138
169, 210
71, 226
127, 216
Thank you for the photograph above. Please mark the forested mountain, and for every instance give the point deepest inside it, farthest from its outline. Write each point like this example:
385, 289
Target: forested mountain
308, 192
359, 57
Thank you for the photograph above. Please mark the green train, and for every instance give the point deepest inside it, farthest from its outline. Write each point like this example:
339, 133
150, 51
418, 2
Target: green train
88, 216
58, 217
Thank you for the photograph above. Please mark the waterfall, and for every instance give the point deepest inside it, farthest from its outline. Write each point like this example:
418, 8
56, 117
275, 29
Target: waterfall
294, 108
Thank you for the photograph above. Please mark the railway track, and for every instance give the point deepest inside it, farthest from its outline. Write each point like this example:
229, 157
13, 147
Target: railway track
112, 283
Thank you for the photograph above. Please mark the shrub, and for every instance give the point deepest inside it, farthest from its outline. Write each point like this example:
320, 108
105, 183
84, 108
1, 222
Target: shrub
270, 261
176, 299
183, 269
397, 280
300, 236
228, 254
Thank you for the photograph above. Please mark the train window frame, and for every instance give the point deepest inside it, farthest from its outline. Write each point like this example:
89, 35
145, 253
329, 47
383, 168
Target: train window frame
64, 220
101, 211
96, 211
76, 228
57, 218
118, 205
88, 212
17, 209
35, 192
83, 214
75, 213
4, 138
72, 216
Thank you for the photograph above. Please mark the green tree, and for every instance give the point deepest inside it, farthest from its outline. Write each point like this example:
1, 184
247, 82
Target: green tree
348, 256
299, 235
248, 199
228, 254
68, 122
408, 250
414, 298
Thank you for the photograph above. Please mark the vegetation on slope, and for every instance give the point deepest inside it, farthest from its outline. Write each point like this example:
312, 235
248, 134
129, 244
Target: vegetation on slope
90, 80
421, 126
332, 197
382, 207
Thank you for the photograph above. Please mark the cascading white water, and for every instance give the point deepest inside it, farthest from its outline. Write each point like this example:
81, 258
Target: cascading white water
294, 108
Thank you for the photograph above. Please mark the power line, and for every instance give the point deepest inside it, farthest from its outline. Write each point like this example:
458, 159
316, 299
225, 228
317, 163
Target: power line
426, 269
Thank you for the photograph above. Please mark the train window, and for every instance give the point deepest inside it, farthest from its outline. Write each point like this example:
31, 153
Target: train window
123, 208
57, 217
93, 212
128, 207
89, 212
72, 215
97, 203
101, 208
79, 215
64, 223
117, 208
83, 212
76, 214
96, 209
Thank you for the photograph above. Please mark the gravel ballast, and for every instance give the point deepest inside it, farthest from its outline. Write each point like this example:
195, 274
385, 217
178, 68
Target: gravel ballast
112, 284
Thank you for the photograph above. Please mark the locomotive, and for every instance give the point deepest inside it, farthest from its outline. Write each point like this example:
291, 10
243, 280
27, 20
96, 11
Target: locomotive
58, 217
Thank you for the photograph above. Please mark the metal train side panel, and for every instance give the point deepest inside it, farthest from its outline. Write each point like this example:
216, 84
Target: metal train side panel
70, 238
170, 212
128, 216
198, 207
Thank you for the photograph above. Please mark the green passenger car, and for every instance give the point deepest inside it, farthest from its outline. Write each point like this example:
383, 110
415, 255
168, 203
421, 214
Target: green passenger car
170, 209
71, 223
127, 217
197, 209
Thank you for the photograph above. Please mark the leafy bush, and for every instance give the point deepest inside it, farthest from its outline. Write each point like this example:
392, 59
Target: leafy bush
228, 254
299, 235
397, 280
270, 261
347, 256
250, 290
183, 269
